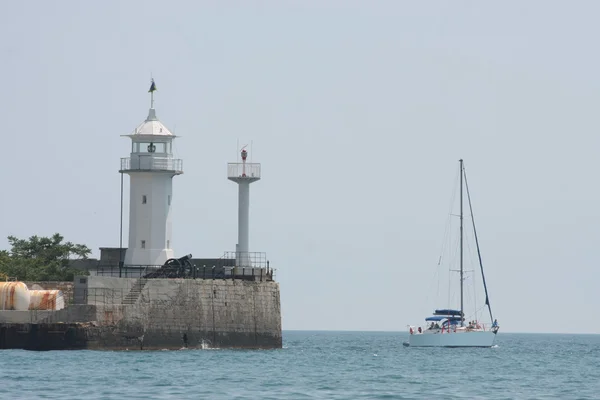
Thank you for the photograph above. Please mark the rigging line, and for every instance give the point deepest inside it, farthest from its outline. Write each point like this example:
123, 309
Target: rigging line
430, 294
475, 297
487, 298
470, 280
452, 262
472, 277
436, 279
445, 248
448, 219
446, 240
477, 312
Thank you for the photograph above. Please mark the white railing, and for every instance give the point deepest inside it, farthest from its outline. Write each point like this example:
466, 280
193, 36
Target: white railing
243, 170
151, 163
428, 328
253, 259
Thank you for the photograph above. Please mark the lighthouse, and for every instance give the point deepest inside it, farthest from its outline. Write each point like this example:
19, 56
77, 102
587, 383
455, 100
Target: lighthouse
151, 168
243, 173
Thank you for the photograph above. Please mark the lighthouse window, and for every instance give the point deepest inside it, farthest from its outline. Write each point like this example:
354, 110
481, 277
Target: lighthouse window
144, 199
169, 200
151, 147
168, 244
143, 244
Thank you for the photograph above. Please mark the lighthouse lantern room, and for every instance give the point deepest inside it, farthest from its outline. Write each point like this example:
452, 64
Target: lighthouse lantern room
151, 168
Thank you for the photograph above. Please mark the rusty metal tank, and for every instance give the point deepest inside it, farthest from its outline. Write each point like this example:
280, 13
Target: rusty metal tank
14, 296
46, 300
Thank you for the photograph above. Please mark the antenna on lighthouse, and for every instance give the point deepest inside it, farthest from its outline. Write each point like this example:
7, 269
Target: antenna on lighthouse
151, 91
243, 173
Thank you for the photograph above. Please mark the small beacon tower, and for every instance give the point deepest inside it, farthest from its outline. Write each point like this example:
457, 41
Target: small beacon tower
243, 174
151, 168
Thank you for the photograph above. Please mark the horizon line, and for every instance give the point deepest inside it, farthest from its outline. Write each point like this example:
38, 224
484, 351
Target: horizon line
393, 331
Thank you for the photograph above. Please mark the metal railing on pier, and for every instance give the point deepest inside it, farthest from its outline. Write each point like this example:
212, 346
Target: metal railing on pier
258, 273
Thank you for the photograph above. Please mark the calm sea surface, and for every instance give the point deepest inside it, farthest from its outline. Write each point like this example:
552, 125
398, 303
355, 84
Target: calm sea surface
316, 365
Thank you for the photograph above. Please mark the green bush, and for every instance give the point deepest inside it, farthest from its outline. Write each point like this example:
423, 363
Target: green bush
42, 258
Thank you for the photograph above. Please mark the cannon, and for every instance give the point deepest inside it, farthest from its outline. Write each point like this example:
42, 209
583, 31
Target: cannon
173, 268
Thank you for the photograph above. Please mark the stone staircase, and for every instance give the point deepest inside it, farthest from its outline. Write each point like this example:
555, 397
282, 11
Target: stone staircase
135, 292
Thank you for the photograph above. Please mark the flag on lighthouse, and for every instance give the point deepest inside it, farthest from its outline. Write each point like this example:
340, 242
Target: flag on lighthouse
152, 87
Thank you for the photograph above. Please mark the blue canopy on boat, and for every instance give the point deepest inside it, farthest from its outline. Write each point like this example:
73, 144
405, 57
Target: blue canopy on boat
446, 312
439, 318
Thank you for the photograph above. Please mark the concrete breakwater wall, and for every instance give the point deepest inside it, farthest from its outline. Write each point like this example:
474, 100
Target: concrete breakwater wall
129, 313
175, 313
46, 336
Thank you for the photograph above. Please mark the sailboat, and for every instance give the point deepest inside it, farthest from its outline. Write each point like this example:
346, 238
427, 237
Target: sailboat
447, 327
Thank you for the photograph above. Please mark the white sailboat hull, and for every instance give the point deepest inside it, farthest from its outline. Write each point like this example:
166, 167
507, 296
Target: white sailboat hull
452, 339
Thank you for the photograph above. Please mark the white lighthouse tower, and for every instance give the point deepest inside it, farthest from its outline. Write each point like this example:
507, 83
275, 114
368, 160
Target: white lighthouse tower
243, 174
151, 168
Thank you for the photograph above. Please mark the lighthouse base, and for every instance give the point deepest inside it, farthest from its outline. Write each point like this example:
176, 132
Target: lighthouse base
149, 257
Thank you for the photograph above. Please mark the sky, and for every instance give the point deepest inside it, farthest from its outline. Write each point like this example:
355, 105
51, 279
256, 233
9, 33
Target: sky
358, 112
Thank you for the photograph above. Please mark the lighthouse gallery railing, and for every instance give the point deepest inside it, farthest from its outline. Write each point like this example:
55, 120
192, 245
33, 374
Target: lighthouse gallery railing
151, 163
237, 170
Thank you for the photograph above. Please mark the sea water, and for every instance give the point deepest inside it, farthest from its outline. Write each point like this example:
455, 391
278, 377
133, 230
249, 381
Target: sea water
316, 365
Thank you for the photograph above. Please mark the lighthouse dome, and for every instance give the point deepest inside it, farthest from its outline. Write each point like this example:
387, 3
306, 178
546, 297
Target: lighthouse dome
151, 127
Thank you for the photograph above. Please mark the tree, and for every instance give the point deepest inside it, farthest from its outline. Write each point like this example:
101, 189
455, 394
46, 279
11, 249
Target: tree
42, 258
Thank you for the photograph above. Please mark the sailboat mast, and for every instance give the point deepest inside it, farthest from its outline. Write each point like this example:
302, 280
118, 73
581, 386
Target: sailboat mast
462, 313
